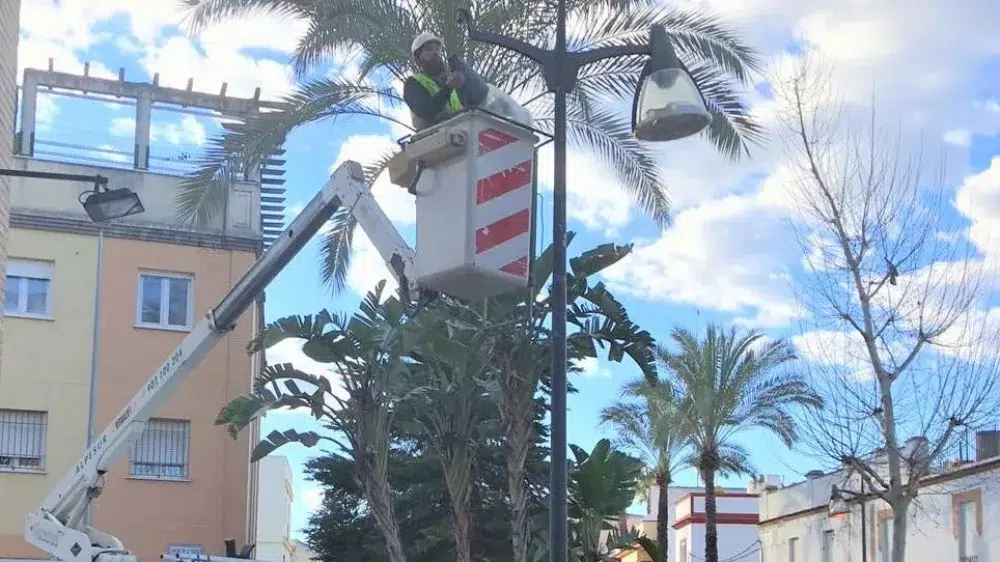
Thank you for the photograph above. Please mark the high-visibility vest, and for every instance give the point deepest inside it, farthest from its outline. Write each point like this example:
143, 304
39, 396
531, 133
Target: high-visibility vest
454, 104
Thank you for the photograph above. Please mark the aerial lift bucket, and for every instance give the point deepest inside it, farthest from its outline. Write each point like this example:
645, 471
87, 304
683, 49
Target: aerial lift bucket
473, 182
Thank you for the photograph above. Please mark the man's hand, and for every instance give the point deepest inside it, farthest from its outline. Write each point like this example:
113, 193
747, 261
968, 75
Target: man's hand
455, 80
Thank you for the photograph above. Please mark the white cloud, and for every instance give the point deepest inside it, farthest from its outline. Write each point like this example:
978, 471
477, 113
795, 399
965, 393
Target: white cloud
978, 199
958, 137
730, 253
312, 498
397, 203
368, 268
699, 261
188, 131
64, 31
591, 368
177, 59
46, 111
594, 196
843, 351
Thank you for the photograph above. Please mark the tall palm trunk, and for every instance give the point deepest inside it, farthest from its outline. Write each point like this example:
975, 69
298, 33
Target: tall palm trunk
517, 419
518, 438
379, 497
707, 470
662, 517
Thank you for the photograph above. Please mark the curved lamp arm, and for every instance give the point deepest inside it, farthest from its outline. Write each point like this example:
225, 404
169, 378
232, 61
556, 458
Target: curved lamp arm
541, 56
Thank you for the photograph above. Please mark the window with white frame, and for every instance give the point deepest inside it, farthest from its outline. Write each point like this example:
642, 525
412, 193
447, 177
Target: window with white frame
22, 440
28, 288
165, 301
161, 452
684, 550
793, 545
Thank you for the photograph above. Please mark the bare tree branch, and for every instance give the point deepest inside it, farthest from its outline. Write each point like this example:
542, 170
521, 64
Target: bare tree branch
905, 354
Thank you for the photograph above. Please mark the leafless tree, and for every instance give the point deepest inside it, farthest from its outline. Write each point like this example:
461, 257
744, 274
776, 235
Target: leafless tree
900, 347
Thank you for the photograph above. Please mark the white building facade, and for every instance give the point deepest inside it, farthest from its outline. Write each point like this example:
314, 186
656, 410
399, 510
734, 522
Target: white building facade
955, 518
275, 497
737, 512
736, 516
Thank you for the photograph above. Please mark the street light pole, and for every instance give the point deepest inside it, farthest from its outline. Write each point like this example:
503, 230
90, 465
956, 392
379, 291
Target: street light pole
667, 106
558, 485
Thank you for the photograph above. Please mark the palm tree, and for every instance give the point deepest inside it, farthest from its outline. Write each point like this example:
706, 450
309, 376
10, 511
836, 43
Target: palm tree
366, 351
732, 382
653, 429
521, 356
381, 30
449, 400
602, 485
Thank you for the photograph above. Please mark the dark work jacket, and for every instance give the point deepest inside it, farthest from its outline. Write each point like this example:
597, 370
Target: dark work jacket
430, 108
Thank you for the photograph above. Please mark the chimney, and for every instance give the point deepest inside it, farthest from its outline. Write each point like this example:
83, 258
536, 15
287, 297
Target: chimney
815, 474
987, 444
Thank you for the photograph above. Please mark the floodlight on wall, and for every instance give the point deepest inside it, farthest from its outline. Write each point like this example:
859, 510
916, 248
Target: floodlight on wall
103, 204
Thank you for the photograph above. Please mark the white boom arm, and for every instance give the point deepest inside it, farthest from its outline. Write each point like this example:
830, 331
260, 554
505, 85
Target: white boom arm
56, 527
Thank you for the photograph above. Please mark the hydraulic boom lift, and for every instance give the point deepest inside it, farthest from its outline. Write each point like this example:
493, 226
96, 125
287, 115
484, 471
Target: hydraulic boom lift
473, 184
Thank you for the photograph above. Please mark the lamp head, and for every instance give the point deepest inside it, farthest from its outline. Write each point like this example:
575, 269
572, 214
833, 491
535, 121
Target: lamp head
668, 104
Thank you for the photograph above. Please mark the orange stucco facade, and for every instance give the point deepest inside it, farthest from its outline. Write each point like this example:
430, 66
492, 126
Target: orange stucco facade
216, 499
211, 504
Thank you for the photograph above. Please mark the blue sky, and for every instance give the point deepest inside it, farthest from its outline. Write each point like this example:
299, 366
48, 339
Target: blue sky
727, 257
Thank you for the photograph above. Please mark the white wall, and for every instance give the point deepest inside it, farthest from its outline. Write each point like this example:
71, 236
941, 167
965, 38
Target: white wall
932, 527
737, 543
674, 493
275, 498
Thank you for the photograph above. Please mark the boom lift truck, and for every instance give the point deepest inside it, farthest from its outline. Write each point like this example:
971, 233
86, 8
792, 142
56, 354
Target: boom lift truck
474, 190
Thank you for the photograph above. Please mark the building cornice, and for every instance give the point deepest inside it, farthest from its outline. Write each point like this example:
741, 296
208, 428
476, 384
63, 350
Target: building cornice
956, 473
72, 225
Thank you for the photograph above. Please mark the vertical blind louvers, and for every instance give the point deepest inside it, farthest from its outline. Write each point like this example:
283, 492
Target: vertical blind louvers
22, 439
162, 450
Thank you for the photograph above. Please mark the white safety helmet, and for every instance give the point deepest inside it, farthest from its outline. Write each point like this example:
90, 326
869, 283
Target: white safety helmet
423, 39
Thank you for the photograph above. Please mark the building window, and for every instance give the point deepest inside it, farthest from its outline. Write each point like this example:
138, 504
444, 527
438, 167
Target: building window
684, 550
885, 539
164, 301
967, 532
827, 551
161, 452
22, 440
28, 287
793, 545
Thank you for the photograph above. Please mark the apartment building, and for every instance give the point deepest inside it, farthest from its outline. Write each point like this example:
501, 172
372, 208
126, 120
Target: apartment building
955, 518
94, 310
10, 12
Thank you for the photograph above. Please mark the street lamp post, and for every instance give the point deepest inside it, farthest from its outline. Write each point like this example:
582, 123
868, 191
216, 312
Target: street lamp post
667, 106
838, 506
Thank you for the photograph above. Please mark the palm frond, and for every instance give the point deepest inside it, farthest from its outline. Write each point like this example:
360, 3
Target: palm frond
337, 244
733, 128
243, 147
202, 13
610, 137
